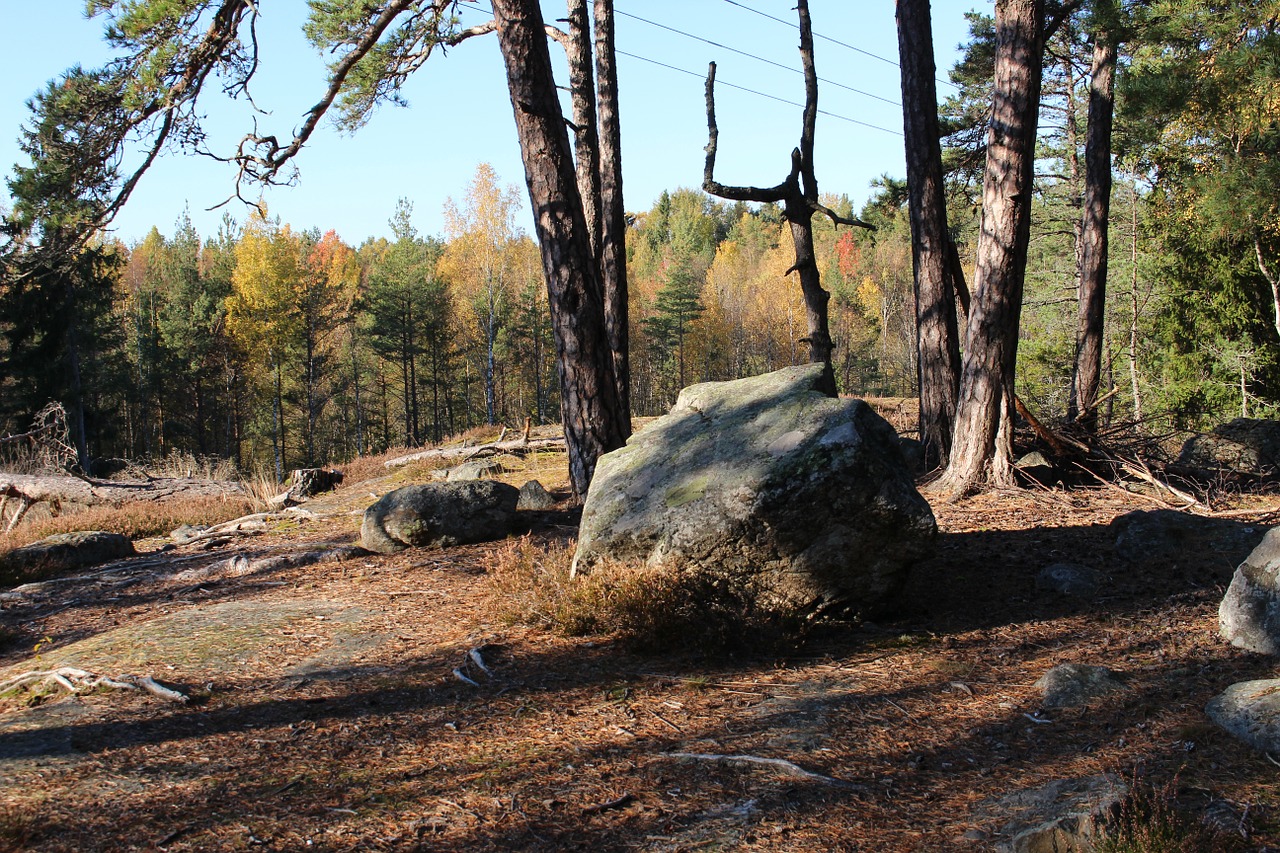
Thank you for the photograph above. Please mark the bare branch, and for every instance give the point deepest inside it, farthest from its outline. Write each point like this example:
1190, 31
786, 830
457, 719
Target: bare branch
709, 183
818, 207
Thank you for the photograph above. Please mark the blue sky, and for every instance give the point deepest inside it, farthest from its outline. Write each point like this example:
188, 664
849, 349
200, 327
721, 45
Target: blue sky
459, 114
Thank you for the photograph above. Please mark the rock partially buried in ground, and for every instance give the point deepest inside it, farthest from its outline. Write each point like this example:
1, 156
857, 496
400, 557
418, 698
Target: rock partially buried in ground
475, 469
1250, 711
65, 552
766, 484
1249, 616
440, 515
1144, 536
1065, 815
1069, 579
1070, 684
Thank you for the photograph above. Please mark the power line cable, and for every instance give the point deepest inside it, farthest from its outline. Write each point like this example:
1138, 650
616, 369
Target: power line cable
753, 56
720, 82
846, 45
734, 85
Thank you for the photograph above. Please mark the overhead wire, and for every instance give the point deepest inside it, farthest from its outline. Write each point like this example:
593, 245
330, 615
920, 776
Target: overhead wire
846, 45
753, 56
731, 85
757, 92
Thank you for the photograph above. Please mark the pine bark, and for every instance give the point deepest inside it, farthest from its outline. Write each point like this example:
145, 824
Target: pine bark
586, 142
991, 338
937, 330
590, 407
613, 217
1093, 233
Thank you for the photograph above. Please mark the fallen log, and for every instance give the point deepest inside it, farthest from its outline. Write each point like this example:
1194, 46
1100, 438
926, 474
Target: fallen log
59, 489
518, 447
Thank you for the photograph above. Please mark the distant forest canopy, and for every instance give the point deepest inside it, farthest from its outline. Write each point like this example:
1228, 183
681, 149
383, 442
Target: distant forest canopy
279, 348
276, 348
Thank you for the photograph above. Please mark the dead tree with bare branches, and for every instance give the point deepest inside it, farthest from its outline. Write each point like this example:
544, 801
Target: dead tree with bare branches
798, 194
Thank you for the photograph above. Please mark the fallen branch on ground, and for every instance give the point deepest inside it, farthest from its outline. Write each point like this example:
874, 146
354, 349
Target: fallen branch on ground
74, 680
779, 764
238, 565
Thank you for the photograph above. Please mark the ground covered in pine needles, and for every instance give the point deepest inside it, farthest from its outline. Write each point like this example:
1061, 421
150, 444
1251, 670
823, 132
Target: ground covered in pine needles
384, 703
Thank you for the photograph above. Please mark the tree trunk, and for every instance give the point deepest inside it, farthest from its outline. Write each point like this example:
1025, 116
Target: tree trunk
1093, 233
1271, 279
937, 331
991, 337
586, 140
590, 407
613, 218
277, 421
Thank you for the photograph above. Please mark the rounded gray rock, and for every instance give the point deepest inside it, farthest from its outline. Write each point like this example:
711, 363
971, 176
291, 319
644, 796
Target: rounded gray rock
534, 495
440, 515
1250, 711
1070, 684
1069, 579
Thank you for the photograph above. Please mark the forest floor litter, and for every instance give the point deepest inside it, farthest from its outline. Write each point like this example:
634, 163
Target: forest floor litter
375, 702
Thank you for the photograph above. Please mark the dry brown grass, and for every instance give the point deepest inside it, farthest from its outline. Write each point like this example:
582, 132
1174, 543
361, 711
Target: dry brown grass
1150, 821
371, 466
650, 610
135, 520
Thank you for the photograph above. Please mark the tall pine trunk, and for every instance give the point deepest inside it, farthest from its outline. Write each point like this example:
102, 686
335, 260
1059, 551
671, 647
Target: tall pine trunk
991, 335
613, 217
590, 407
937, 330
1093, 233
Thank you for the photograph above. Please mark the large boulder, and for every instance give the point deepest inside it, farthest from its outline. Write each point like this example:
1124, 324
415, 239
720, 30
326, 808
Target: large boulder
1244, 445
1249, 615
439, 515
62, 553
765, 483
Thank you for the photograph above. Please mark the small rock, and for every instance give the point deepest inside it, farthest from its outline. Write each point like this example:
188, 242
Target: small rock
1250, 711
1065, 815
533, 495
474, 469
187, 533
1070, 684
912, 453
1036, 466
1069, 579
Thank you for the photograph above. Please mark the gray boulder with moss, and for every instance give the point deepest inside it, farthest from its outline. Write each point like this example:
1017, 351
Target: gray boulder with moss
62, 553
768, 486
439, 515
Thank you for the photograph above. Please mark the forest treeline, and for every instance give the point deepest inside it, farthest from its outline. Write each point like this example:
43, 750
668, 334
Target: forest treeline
277, 347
